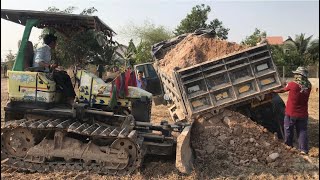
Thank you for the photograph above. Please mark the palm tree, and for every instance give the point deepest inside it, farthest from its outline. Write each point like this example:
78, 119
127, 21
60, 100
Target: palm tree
313, 50
307, 50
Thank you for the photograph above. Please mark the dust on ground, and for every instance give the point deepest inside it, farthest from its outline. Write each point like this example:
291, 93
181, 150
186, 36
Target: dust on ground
220, 158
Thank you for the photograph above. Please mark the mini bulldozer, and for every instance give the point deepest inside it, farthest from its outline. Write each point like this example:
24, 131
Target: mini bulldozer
41, 134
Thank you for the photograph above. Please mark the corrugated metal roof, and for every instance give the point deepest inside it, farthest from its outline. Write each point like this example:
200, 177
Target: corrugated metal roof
59, 21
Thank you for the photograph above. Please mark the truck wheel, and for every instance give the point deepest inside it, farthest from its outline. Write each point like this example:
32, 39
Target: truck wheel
270, 115
279, 111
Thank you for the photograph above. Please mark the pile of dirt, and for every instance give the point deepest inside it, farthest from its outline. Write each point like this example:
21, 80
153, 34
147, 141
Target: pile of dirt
195, 49
231, 144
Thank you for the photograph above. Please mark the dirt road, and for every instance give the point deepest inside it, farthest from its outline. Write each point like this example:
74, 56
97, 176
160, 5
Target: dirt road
163, 168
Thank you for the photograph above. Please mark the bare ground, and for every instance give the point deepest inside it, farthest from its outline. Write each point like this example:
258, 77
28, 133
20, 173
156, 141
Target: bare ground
163, 168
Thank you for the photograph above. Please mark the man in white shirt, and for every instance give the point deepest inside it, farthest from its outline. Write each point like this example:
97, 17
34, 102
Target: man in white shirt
42, 58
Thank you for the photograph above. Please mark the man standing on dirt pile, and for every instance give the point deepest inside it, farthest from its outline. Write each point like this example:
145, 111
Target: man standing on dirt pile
296, 114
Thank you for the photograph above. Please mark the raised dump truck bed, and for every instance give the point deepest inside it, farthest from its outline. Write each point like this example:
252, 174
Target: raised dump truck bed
222, 82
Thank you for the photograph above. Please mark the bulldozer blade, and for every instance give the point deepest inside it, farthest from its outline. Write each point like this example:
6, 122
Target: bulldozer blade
184, 155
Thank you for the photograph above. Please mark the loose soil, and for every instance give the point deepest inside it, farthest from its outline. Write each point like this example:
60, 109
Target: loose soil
225, 148
195, 49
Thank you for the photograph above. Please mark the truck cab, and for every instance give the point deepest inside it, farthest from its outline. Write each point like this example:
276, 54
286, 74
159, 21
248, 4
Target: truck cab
153, 81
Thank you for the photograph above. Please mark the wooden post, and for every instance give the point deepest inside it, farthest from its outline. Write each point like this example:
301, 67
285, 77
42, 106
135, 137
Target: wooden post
318, 71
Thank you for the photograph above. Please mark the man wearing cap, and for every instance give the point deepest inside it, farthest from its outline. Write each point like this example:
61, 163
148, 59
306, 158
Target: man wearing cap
296, 114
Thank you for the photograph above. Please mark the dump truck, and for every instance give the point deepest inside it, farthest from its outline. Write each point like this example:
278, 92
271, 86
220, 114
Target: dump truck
42, 134
241, 81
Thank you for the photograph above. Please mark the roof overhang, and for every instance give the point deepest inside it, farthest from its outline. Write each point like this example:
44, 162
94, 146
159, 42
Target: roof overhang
65, 23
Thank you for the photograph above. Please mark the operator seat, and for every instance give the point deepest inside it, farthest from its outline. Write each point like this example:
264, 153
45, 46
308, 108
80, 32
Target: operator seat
28, 56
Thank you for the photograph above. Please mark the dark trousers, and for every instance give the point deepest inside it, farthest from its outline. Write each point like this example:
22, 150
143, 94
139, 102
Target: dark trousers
64, 83
301, 128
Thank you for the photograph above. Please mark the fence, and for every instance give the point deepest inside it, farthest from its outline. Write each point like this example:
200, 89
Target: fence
286, 71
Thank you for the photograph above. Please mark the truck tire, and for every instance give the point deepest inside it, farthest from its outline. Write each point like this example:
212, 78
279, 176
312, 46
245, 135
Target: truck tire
270, 115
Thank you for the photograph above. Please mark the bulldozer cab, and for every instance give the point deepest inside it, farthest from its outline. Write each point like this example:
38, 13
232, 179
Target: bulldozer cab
25, 85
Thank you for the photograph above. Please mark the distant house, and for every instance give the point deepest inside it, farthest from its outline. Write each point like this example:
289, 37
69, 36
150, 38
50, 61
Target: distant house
275, 40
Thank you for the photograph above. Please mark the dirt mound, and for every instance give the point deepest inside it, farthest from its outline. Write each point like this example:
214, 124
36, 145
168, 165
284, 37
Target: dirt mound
231, 144
196, 49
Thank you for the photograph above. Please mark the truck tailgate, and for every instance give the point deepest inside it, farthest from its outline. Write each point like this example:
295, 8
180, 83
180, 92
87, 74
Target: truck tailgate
227, 80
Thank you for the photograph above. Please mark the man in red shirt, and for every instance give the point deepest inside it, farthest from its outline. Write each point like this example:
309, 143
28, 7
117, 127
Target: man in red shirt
296, 114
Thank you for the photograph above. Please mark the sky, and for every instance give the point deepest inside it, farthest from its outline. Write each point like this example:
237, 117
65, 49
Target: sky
277, 18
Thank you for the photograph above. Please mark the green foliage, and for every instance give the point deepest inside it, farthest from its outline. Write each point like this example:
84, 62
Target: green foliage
148, 34
10, 58
256, 37
313, 51
131, 47
294, 53
143, 54
82, 46
306, 50
289, 59
197, 19
130, 53
221, 32
152, 34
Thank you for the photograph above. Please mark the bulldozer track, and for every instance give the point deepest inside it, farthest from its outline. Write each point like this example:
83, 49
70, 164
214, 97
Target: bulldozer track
67, 125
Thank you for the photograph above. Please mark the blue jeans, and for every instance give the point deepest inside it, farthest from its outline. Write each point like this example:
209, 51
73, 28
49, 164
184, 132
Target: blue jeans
301, 128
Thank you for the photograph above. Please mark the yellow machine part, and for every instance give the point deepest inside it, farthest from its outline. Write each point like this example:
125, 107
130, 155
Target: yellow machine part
94, 88
30, 86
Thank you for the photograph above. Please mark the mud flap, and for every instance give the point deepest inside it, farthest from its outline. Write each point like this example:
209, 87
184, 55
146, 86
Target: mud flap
184, 155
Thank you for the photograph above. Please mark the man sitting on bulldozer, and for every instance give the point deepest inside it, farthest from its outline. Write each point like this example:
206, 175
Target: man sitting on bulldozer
42, 59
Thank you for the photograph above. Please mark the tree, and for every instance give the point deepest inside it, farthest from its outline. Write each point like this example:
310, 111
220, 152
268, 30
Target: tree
148, 34
256, 37
143, 53
289, 59
9, 59
313, 51
307, 50
197, 19
130, 53
83, 46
